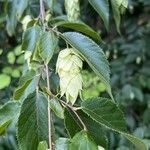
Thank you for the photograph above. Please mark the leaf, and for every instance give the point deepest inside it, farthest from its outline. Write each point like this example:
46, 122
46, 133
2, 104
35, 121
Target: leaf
62, 144
4, 126
11, 57
32, 122
42, 146
30, 38
47, 46
107, 114
21, 6
81, 27
71, 122
57, 108
15, 73
50, 4
118, 7
4, 80
28, 75
136, 141
94, 129
93, 55
116, 13
82, 141
11, 21
102, 8
27, 88
8, 113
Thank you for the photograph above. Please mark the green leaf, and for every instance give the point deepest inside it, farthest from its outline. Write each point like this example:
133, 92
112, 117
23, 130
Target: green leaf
1, 51
8, 113
11, 57
27, 84
81, 27
136, 141
28, 75
57, 108
27, 88
71, 122
50, 4
15, 73
4, 126
62, 144
102, 8
30, 38
93, 55
21, 6
11, 21
7, 70
118, 7
94, 129
47, 46
17, 50
32, 123
116, 13
107, 114
4, 80
82, 141
42, 146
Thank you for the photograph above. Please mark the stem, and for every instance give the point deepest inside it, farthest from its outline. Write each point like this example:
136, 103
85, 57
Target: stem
82, 123
42, 16
42, 13
49, 110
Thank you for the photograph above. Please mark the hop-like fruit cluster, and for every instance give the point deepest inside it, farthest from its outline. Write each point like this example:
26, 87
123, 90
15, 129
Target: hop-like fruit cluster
73, 9
69, 65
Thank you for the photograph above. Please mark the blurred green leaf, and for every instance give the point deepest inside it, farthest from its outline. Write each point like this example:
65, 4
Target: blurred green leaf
21, 6
42, 146
11, 17
18, 50
15, 73
11, 57
4, 80
7, 70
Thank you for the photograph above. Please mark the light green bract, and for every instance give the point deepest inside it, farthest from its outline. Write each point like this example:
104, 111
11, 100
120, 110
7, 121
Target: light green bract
73, 9
69, 65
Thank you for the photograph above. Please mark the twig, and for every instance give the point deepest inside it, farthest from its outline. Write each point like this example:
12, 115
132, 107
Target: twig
49, 110
82, 123
42, 15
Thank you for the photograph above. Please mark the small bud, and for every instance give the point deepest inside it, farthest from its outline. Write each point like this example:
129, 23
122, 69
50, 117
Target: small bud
69, 65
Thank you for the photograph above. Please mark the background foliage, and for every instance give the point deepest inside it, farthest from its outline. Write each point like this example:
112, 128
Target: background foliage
129, 58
